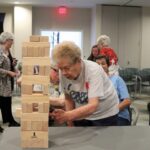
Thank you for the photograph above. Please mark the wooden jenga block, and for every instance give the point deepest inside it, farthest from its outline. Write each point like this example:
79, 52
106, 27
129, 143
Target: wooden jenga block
36, 53
42, 70
44, 39
34, 98
44, 126
44, 107
24, 52
37, 125
35, 38
47, 71
41, 108
25, 70
31, 61
47, 49
35, 116
32, 79
26, 89
34, 139
18, 112
45, 91
26, 126
27, 108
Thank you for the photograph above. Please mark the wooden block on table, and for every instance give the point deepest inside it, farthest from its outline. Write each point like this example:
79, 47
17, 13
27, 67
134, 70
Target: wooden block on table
34, 139
24, 52
44, 126
34, 98
44, 39
36, 53
25, 70
45, 92
26, 126
41, 61
35, 38
47, 70
27, 107
18, 112
46, 51
26, 89
34, 79
44, 107
42, 70
37, 125
35, 116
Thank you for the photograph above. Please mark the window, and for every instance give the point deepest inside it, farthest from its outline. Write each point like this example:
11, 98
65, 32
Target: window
56, 37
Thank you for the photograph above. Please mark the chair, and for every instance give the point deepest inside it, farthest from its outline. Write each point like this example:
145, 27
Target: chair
134, 115
130, 76
144, 75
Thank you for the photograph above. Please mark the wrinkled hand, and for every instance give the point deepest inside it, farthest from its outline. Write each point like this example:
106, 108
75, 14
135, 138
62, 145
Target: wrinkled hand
60, 116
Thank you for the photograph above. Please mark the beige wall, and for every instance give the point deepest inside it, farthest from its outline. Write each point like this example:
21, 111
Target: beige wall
145, 50
96, 23
46, 18
86, 20
8, 22
22, 27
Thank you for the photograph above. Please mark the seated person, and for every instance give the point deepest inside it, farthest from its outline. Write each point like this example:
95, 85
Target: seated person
118, 82
94, 53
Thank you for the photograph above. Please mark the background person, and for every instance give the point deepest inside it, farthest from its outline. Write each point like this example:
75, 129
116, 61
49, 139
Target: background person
103, 42
122, 91
94, 53
7, 74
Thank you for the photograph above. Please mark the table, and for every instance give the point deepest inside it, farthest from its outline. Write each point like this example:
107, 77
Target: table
86, 138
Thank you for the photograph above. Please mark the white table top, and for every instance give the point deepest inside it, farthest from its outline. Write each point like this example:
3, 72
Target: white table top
78, 138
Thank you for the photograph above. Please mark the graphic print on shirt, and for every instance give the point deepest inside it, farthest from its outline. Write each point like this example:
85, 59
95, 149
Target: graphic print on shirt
79, 97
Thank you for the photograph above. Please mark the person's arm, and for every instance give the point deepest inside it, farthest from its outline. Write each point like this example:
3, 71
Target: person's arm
78, 113
57, 101
84, 111
125, 103
123, 94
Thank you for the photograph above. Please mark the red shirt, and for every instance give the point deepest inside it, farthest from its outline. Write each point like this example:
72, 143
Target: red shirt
109, 52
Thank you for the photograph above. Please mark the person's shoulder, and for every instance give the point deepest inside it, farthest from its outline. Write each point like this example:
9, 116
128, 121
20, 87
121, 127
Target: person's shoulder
91, 65
92, 68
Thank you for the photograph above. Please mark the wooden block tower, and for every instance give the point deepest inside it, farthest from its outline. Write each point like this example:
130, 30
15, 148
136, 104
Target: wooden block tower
35, 101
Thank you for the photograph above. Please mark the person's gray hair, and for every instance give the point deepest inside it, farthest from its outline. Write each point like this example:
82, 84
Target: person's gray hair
103, 40
6, 36
67, 49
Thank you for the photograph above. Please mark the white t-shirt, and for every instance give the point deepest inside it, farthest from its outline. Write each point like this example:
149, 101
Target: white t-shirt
92, 82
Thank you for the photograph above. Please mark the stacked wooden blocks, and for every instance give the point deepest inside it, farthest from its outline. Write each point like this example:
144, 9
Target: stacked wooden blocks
35, 101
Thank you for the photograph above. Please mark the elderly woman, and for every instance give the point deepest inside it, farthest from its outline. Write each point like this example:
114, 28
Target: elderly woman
103, 42
7, 73
90, 98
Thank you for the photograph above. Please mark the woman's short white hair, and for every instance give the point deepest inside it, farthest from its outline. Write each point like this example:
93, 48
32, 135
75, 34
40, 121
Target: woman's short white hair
103, 40
6, 36
67, 49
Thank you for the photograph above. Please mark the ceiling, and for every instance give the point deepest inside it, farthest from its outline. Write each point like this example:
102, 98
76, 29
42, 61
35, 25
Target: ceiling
76, 3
